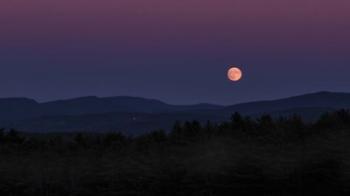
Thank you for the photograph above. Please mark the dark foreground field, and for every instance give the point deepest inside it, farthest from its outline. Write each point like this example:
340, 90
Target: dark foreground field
240, 157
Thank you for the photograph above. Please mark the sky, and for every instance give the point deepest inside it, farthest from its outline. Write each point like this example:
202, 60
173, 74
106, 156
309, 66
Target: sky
175, 51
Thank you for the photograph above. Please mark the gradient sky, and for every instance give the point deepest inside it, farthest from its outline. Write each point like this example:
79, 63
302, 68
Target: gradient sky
176, 51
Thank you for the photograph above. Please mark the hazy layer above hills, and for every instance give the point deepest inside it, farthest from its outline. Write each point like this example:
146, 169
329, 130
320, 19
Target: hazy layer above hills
136, 115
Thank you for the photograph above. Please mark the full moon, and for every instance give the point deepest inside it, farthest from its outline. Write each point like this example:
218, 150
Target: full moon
234, 74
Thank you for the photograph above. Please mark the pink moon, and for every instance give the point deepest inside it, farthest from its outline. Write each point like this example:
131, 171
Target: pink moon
234, 74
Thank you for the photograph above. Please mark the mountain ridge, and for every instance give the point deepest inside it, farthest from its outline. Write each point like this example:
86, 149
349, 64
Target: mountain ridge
135, 114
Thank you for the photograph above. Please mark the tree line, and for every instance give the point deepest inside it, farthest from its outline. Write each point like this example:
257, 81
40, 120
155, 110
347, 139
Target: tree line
265, 128
242, 156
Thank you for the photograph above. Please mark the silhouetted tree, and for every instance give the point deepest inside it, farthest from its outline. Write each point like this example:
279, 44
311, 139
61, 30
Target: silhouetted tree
237, 122
80, 139
191, 129
296, 125
13, 136
343, 118
266, 123
2, 135
208, 130
177, 131
114, 139
158, 136
327, 121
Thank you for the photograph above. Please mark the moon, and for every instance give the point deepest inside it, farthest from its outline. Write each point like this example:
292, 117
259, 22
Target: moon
234, 74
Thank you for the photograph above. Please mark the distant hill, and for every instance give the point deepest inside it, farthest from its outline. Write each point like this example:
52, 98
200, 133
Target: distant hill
23, 108
93, 105
135, 115
323, 100
18, 108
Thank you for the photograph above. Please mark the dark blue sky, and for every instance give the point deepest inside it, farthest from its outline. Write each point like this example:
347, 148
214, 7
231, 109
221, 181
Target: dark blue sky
176, 52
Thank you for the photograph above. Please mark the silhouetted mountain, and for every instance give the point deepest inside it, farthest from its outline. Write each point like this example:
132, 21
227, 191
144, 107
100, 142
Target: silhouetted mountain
94, 105
314, 100
321, 100
18, 108
22, 108
135, 115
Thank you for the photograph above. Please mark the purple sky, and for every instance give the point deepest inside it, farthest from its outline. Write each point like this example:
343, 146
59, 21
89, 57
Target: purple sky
176, 51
